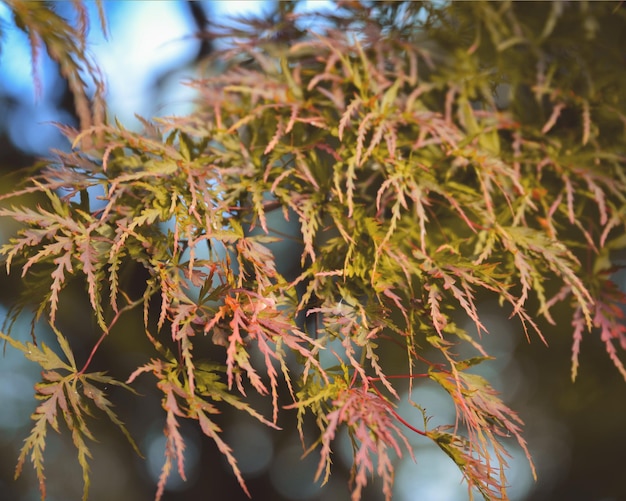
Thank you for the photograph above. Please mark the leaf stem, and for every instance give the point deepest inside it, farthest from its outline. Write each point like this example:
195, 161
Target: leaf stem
396, 415
128, 307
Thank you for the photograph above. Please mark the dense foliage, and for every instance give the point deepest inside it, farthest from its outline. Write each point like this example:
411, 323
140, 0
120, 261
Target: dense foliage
430, 154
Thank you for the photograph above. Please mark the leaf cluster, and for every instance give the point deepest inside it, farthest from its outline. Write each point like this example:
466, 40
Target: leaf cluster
417, 190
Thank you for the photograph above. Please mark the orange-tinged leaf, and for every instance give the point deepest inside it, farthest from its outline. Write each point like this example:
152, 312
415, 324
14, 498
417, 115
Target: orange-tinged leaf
43, 355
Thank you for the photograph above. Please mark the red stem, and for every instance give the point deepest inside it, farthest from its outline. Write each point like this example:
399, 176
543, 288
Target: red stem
395, 414
93, 351
105, 333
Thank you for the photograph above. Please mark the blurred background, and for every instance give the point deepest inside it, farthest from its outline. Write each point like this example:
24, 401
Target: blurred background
576, 431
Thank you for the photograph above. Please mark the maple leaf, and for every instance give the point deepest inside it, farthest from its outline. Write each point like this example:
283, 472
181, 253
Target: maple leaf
486, 418
608, 316
376, 437
60, 391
